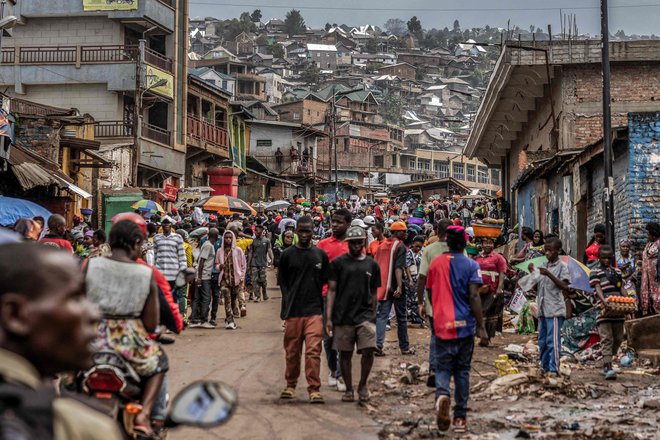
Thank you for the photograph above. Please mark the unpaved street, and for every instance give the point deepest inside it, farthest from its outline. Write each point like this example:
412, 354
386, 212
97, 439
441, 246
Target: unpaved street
252, 360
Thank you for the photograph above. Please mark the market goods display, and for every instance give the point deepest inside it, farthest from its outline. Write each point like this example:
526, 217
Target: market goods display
617, 306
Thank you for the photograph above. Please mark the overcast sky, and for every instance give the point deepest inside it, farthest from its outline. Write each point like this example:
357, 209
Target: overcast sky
633, 16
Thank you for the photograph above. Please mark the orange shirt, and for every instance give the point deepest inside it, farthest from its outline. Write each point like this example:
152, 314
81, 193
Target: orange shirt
373, 247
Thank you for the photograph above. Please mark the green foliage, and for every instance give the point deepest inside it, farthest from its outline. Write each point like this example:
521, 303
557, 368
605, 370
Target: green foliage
392, 108
311, 75
277, 50
256, 15
371, 46
415, 27
294, 23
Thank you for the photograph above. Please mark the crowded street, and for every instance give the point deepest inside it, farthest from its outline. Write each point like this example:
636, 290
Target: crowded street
329, 220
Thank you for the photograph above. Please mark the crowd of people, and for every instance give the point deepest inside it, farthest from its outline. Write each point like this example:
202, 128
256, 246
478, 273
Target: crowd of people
348, 272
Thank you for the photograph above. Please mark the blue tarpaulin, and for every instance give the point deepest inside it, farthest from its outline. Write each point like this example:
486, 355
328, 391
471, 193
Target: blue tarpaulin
11, 209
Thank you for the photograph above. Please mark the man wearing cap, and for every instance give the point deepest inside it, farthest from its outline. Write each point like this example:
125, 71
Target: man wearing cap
370, 221
391, 257
169, 255
319, 230
351, 309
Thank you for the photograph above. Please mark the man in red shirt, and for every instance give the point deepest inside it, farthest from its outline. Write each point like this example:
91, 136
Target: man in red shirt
56, 231
334, 246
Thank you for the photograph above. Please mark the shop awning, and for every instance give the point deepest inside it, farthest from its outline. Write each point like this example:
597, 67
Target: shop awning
32, 170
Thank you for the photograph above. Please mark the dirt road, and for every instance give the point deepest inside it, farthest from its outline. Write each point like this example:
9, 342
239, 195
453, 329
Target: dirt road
251, 359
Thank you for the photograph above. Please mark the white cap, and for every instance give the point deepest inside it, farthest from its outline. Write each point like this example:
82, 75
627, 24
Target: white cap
369, 220
358, 222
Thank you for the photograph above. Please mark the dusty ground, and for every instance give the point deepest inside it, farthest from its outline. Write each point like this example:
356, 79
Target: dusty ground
252, 360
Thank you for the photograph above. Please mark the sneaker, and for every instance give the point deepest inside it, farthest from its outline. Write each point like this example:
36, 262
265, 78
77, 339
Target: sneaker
459, 425
207, 325
265, 297
442, 419
388, 327
341, 386
231, 326
195, 325
243, 312
610, 374
332, 381
430, 381
213, 323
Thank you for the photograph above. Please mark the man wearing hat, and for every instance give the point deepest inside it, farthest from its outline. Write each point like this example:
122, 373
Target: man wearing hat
351, 309
391, 258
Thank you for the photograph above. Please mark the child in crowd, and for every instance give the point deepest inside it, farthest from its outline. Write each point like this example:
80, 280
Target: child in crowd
608, 281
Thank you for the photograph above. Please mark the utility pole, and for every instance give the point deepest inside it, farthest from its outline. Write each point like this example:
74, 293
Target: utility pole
334, 145
137, 117
608, 190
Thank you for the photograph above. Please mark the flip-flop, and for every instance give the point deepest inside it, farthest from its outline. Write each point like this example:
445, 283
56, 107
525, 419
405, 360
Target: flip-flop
363, 395
144, 433
316, 398
348, 396
288, 393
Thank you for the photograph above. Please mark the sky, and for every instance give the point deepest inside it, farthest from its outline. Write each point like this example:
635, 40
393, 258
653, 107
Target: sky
633, 16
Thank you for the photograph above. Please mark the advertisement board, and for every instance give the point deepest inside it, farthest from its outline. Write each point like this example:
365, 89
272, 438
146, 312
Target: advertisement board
110, 5
153, 75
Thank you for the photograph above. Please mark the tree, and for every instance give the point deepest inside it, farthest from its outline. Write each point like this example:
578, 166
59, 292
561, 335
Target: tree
392, 107
328, 26
294, 23
277, 50
311, 75
371, 46
457, 25
415, 27
395, 26
247, 25
256, 16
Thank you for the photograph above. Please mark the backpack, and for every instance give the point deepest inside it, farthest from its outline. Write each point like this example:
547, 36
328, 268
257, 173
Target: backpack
26, 414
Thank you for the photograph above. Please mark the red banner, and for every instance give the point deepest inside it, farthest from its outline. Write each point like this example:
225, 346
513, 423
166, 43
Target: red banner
170, 192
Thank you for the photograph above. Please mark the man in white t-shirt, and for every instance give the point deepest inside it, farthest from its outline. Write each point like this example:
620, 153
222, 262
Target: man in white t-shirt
202, 301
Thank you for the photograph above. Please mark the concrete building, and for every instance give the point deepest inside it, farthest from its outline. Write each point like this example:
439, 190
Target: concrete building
323, 55
542, 129
85, 55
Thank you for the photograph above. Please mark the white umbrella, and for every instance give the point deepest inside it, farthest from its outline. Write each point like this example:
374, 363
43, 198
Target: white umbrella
277, 205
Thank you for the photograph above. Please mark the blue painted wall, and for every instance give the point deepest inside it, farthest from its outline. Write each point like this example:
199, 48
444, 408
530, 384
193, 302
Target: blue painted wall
644, 173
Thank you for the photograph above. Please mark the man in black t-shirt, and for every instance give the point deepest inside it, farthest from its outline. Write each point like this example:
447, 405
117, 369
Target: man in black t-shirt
352, 303
302, 273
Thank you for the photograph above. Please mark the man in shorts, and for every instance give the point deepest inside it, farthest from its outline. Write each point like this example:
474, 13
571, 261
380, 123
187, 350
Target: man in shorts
352, 304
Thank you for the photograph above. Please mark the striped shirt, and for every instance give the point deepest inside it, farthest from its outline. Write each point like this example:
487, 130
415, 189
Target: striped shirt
169, 255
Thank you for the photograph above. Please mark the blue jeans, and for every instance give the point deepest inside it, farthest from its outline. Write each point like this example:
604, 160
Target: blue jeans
384, 308
550, 343
201, 303
179, 296
453, 359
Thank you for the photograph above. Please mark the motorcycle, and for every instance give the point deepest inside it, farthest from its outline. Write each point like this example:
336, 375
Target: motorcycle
115, 385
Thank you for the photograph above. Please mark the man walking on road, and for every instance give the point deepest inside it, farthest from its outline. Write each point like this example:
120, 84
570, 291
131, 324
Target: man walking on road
391, 257
302, 274
351, 310
334, 246
454, 281
170, 256
259, 253
230, 262
202, 301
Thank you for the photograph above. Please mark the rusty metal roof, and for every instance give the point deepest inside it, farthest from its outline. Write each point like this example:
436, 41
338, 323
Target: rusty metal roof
32, 170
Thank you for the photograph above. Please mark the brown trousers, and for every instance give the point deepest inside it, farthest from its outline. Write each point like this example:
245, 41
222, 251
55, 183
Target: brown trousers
230, 296
307, 330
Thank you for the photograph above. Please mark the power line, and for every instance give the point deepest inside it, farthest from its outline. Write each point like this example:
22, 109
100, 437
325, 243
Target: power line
337, 8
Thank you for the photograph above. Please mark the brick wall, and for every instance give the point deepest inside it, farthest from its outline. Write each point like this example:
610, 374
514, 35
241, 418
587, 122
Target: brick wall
644, 182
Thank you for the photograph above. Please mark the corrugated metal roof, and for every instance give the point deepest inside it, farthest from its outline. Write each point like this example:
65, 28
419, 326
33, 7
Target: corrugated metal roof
30, 175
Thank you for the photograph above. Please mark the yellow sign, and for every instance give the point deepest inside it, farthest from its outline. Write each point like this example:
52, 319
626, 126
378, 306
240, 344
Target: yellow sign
154, 75
110, 5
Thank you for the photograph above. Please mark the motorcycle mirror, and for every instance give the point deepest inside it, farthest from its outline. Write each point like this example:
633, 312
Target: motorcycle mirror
203, 404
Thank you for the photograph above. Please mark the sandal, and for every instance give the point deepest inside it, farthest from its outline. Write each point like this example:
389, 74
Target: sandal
144, 433
288, 393
348, 396
363, 395
316, 398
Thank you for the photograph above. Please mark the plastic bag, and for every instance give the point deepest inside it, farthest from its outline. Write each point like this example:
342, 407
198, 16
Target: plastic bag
528, 282
526, 321
518, 301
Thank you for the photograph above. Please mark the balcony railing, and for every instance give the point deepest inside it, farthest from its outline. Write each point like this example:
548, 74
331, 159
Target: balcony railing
79, 55
203, 131
112, 129
157, 134
158, 60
